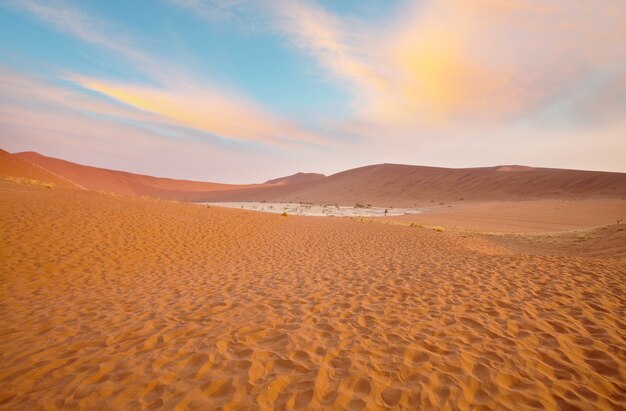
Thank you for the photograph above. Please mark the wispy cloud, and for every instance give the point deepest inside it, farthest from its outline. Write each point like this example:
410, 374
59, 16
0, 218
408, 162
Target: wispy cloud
179, 96
446, 62
229, 116
61, 122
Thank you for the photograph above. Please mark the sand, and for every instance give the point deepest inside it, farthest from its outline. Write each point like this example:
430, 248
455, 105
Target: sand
113, 302
530, 216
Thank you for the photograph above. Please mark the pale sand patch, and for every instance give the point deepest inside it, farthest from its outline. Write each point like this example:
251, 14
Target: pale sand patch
317, 210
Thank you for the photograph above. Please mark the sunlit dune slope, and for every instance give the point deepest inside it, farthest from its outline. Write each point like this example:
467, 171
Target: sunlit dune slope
12, 166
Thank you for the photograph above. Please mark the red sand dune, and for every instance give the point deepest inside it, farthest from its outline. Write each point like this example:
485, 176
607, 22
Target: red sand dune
391, 184
383, 184
121, 182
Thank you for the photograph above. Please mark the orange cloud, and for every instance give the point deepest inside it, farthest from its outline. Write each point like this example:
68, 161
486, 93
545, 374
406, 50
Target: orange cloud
442, 62
211, 111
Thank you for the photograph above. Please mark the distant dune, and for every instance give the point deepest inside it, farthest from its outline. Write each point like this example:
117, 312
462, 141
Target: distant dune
121, 182
404, 185
382, 184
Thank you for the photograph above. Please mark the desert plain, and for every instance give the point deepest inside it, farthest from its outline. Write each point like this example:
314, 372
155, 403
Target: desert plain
118, 292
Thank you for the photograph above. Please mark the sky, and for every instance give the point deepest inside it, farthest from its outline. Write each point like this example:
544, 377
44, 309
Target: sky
241, 91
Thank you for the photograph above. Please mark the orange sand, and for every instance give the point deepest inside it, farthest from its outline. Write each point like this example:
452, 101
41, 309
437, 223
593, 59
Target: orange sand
531, 216
117, 302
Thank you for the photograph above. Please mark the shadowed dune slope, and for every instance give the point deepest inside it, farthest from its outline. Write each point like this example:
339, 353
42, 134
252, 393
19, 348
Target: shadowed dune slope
120, 182
114, 302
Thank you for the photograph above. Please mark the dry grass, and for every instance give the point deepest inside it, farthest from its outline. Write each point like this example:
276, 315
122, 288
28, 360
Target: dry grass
30, 181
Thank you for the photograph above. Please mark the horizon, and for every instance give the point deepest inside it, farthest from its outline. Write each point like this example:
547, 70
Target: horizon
252, 91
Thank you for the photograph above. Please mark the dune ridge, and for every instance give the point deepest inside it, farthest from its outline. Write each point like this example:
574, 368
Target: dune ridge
297, 178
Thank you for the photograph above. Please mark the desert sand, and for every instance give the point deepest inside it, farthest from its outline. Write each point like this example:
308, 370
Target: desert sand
117, 302
530, 216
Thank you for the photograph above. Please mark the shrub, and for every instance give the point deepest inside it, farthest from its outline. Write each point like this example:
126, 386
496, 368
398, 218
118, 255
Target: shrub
439, 229
284, 214
415, 225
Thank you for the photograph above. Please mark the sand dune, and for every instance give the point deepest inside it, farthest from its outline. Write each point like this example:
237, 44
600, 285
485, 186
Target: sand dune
13, 166
381, 185
112, 302
401, 185
120, 182
388, 185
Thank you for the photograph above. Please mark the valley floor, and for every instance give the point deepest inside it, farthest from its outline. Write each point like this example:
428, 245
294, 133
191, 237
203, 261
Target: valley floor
111, 302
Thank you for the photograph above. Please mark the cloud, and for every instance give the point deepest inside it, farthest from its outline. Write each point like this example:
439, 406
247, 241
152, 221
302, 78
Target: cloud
337, 47
61, 122
443, 63
204, 109
178, 96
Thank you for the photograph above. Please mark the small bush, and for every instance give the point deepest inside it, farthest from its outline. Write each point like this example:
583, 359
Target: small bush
439, 229
415, 225
284, 214
359, 205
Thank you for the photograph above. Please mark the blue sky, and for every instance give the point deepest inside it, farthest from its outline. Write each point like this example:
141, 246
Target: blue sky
247, 90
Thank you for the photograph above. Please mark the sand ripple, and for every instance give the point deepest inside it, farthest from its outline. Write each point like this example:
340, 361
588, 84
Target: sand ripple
110, 303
